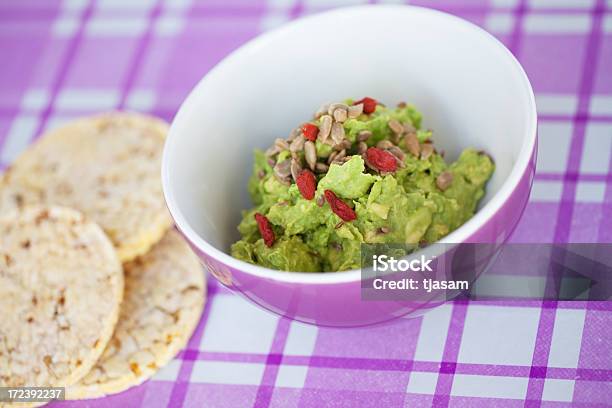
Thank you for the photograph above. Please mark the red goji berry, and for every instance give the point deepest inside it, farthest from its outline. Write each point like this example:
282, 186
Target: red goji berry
265, 228
381, 160
339, 207
307, 184
369, 104
310, 131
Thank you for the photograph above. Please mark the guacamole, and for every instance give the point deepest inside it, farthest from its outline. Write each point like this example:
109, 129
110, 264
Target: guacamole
359, 172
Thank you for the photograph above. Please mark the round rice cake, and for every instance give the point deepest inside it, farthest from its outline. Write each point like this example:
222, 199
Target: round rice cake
164, 297
61, 285
106, 166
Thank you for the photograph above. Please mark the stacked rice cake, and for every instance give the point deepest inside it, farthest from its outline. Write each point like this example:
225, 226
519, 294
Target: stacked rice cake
99, 290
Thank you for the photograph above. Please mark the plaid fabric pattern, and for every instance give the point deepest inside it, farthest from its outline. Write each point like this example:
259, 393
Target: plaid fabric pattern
62, 59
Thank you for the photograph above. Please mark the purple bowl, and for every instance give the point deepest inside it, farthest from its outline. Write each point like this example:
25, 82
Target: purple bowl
472, 93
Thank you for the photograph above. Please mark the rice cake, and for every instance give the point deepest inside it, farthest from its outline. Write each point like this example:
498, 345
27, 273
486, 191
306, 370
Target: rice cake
164, 296
61, 285
106, 166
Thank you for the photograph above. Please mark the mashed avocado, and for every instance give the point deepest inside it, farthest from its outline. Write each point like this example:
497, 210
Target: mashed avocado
359, 172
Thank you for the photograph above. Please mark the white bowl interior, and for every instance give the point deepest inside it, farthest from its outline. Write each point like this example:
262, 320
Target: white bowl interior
471, 91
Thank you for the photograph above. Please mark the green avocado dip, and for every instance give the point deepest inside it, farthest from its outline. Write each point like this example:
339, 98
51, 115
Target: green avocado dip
359, 172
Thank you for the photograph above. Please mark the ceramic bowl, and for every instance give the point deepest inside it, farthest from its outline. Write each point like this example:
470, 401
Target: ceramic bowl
470, 89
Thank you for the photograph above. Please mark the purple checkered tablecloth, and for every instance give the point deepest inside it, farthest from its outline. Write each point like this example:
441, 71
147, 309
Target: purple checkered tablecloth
62, 59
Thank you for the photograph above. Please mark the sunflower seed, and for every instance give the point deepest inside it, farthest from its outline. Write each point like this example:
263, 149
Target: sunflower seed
296, 168
331, 157
444, 180
371, 166
320, 201
339, 158
337, 133
297, 144
333, 106
283, 203
396, 126
310, 152
399, 161
339, 146
401, 105
355, 110
325, 127
339, 225
321, 167
408, 128
364, 135
397, 152
395, 137
281, 143
294, 133
427, 150
412, 144
321, 111
340, 115
283, 169
383, 230
384, 144
362, 147
272, 151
